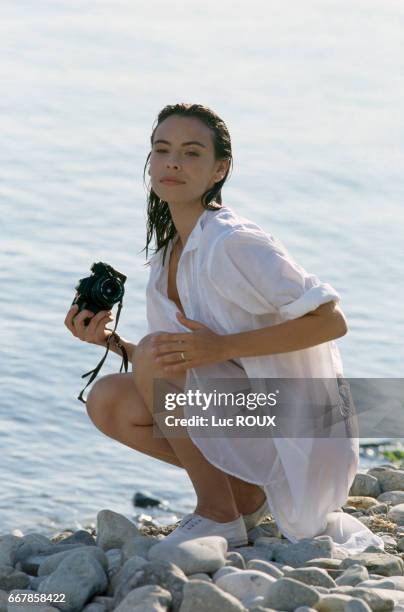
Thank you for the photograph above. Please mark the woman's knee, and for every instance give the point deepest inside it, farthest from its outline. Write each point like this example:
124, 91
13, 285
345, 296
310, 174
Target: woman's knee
100, 400
143, 357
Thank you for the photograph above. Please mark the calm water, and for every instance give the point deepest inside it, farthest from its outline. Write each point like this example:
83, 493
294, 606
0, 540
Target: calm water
312, 95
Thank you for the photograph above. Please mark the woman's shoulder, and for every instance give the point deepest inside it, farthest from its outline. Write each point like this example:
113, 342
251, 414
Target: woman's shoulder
227, 227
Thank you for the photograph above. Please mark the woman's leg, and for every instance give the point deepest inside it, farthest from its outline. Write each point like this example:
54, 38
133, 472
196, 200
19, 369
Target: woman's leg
212, 486
117, 409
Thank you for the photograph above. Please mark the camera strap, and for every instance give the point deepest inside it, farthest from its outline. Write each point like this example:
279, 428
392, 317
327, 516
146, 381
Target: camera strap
99, 366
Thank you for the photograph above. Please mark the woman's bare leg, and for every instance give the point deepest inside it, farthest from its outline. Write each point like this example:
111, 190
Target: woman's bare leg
117, 409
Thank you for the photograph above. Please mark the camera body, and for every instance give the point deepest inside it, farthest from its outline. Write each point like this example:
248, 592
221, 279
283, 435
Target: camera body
101, 290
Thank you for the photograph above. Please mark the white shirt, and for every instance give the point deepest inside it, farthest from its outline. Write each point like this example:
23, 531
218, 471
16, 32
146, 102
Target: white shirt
233, 276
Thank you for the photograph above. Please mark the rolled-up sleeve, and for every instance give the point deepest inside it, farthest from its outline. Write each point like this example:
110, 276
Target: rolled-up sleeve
256, 272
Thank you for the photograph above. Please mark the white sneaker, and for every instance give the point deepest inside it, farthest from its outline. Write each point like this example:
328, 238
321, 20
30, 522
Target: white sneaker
255, 518
196, 526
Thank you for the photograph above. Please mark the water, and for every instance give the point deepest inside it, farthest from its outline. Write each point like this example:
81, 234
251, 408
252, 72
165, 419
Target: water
312, 95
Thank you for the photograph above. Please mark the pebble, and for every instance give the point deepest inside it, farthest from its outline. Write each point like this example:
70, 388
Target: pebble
143, 500
122, 567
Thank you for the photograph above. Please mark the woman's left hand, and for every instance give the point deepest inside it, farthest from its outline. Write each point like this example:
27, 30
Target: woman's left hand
200, 347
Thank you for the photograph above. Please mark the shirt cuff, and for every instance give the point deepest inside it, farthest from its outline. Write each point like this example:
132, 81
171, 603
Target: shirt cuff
309, 301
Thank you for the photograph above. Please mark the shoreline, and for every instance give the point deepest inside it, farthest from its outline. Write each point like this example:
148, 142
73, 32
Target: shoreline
121, 566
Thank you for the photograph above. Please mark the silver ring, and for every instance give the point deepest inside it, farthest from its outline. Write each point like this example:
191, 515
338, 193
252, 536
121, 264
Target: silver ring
182, 356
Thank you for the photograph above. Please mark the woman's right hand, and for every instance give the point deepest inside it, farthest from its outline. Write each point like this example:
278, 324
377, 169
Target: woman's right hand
95, 332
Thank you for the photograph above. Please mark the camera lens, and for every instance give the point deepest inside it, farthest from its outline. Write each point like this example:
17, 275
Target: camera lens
107, 291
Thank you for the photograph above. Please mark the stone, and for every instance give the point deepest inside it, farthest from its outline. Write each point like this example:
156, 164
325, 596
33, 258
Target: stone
265, 566
287, 594
143, 500
391, 497
200, 576
361, 502
205, 554
10, 578
24, 605
148, 597
224, 571
51, 562
305, 550
246, 584
235, 560
352, 576
396, 514
333, 602
124, 573
380, 563
201, 595
357, 605
138, 546
32, 544
79, 576
161, 573
365, 485
114, 529
328, 564
269, 529
379, 600
389, 479
392, 582
253, 552
9, 545
314, 576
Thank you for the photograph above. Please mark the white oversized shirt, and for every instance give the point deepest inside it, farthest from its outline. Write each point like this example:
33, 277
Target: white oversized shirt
233, 276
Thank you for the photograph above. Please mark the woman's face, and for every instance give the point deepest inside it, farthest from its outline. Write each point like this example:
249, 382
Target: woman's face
193, 164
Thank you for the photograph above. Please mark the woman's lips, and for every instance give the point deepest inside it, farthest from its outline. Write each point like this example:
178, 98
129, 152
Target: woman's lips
168, 182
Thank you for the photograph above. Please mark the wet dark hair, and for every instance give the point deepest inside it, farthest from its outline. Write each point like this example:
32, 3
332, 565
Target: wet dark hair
159, 220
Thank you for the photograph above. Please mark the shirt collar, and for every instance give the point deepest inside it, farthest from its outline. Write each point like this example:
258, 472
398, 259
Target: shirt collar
193, 238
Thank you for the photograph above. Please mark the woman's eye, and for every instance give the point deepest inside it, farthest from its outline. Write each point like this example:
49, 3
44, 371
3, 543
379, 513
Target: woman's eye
193, 153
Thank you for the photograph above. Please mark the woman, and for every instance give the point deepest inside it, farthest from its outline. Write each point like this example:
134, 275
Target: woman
226, 300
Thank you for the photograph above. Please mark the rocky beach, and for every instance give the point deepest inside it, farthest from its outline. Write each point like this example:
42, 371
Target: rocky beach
123, 567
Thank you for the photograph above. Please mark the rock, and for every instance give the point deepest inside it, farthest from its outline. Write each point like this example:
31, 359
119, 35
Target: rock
138, 546
9, 545
200, 576
162, 573
205, 554
379, 508
379, 600
380, 563
265, 566
32, 544
51, 562
305, 550
148, 597
361, 502
79, 576
93, 607
396, 514
328, 564
10, 578
224, 571
352, 576
114, 529
269, 529
365, 485
334, 602
235, 560
393, 582
288, 594
145, 501
389, 479
201, 595
253, 552
314, 576
246, 584
357, 605
125, 573
391, 497
400, 544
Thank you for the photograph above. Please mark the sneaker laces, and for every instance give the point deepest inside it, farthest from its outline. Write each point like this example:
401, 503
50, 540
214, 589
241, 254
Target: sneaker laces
192, 521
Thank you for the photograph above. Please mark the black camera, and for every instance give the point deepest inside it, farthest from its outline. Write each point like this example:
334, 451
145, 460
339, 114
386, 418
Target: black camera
101, 290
